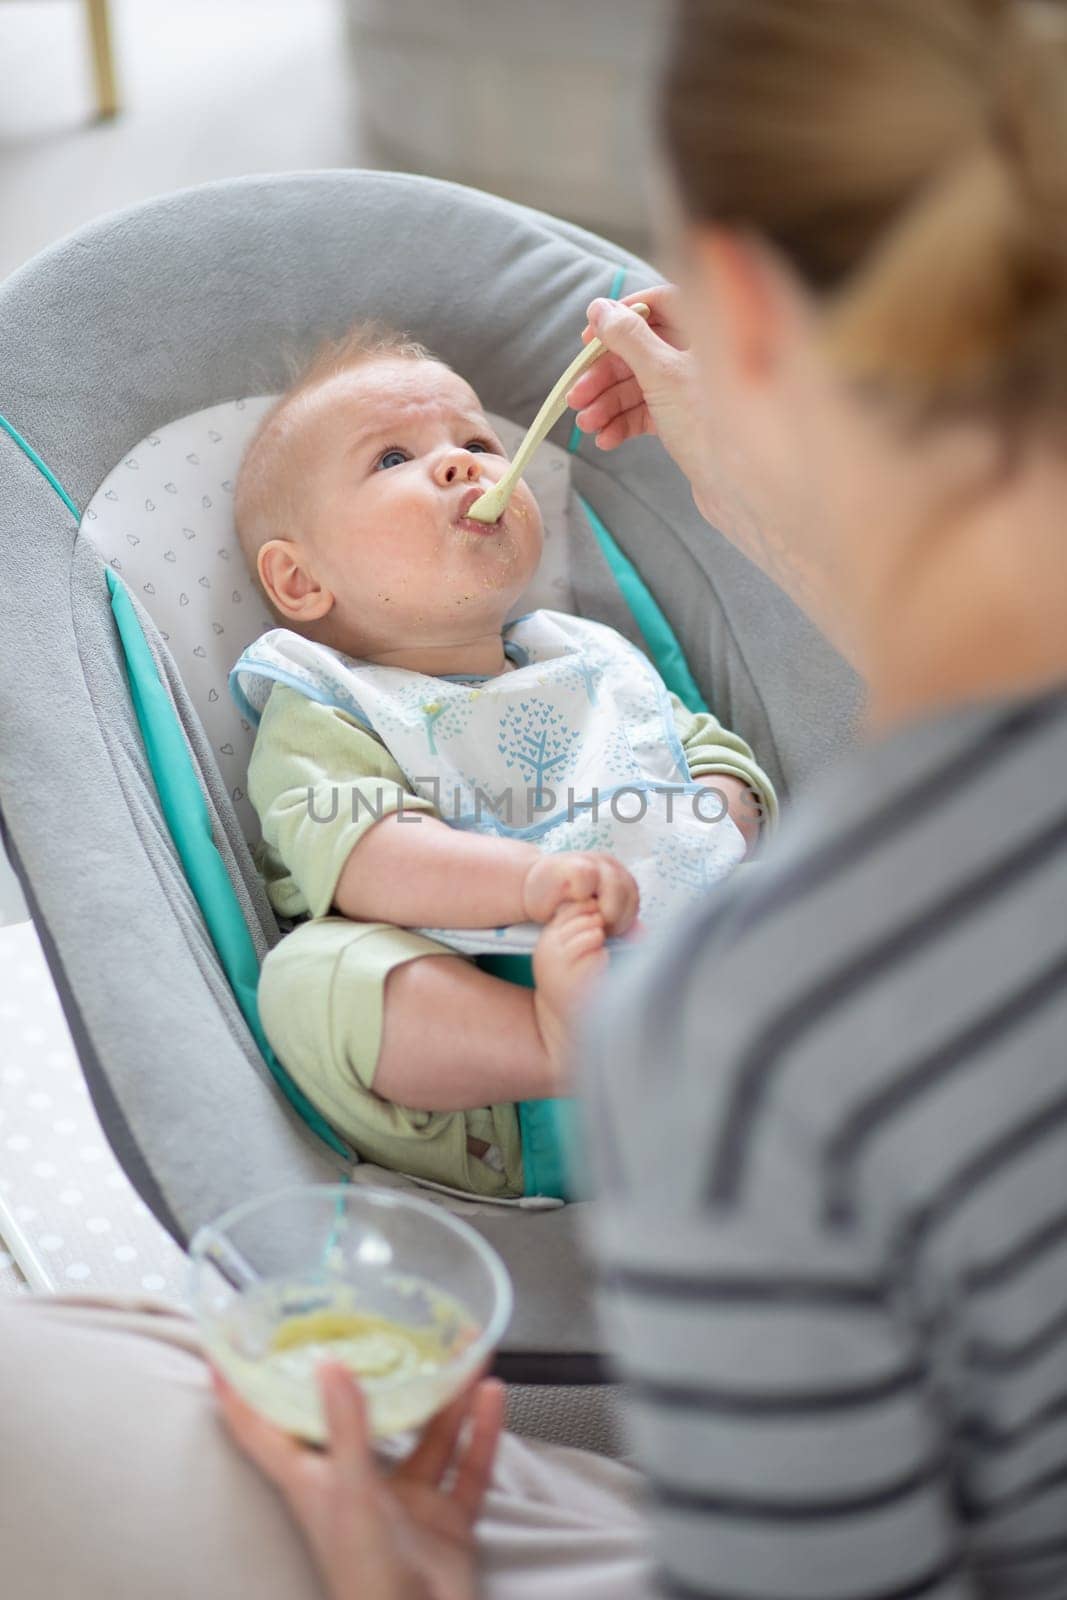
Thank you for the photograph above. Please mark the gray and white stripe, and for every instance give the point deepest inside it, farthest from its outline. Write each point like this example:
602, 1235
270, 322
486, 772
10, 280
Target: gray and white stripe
828, 1127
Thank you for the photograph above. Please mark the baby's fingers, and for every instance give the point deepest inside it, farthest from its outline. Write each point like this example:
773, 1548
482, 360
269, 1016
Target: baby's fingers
618, 898
582, 881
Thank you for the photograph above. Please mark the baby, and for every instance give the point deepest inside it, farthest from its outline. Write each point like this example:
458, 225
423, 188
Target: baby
409, 765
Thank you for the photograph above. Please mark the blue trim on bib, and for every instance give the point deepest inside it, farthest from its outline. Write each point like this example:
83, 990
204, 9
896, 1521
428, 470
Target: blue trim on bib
290, 681
537, 830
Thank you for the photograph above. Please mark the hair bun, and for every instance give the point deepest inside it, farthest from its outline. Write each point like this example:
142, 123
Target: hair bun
964, 301
907, 158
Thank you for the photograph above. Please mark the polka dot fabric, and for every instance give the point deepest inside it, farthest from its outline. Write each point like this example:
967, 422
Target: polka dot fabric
163, 520
69, 1218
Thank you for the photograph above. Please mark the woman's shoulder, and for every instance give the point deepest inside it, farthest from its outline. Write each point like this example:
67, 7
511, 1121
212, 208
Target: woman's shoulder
899, 890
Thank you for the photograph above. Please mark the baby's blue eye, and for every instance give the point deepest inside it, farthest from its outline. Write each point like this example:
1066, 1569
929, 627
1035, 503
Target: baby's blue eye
392, 458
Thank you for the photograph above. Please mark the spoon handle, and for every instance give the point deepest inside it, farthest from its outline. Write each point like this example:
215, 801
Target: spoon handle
490, 508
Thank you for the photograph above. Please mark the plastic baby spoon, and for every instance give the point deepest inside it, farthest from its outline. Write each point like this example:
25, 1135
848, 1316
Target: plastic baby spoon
490, 507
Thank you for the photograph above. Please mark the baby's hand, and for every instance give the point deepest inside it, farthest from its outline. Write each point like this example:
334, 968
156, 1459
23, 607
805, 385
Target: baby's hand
581, 875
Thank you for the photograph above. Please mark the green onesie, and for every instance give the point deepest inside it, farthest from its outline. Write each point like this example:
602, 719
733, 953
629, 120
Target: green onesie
321, 989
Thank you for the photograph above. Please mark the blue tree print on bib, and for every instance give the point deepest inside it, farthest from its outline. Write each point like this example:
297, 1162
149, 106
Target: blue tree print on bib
580, 671
441, 710
442, 717
536, 738
617, 759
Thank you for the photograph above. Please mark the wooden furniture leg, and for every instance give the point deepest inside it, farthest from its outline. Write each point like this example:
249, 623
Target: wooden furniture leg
107, 101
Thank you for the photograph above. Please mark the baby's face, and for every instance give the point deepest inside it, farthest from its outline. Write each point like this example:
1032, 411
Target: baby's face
398, 451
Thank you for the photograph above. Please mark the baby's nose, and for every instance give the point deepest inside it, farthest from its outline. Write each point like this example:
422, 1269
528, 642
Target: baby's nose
459, 466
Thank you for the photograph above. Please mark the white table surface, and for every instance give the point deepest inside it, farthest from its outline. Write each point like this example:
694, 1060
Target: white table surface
69, 1217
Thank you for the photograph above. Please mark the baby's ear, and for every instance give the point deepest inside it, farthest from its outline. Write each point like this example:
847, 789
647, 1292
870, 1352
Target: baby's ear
290, 584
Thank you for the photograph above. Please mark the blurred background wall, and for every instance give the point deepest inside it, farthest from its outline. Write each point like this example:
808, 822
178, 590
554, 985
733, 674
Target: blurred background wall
545, 102
539, 100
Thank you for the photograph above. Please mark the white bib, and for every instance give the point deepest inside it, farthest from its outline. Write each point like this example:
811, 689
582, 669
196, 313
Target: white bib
574, 749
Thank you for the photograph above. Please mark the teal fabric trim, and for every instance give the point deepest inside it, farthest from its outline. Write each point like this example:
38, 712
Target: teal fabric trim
667, 653
545, 1131
186, 814
546, 1127
613, 294
45, 471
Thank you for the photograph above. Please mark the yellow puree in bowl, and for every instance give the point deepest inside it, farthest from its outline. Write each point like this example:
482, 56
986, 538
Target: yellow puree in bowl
373, 1347
407, 1372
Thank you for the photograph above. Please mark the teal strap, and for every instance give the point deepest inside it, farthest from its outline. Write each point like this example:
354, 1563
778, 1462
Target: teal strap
186, 814
45, 471
544, 1125
613, 294
667, 653
545, 1131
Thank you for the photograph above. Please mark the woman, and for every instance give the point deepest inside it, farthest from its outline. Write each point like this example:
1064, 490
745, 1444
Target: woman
830, 1112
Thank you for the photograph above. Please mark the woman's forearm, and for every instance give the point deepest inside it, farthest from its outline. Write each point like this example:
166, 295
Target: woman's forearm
417, 872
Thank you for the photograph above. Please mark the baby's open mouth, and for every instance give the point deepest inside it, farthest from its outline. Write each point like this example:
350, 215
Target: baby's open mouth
467, 523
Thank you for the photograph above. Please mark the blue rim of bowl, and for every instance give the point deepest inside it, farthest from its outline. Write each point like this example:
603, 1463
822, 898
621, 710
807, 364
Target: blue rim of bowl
474, 1354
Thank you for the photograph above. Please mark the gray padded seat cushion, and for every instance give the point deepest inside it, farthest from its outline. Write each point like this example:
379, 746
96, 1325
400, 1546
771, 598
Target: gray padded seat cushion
168, 308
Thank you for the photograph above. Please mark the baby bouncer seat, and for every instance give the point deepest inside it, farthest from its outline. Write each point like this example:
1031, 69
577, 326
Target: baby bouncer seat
135, 357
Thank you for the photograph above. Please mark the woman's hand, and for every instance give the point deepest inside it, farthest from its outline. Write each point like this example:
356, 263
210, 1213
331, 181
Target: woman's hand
377, 1535
646, 384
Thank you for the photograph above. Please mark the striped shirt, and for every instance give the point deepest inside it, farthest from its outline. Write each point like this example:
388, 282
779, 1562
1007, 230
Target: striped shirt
828, 1130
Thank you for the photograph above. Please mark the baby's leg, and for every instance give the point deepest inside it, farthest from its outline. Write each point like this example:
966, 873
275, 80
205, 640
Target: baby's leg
570, 955
322, 1003
454, 1038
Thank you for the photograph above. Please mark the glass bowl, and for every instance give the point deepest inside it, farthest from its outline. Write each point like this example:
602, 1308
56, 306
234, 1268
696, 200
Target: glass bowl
408, 1297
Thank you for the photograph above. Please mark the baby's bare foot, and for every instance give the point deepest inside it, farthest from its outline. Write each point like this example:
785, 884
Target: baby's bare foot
569, 955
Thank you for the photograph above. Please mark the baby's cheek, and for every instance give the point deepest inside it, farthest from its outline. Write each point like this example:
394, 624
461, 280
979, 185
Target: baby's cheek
526, 518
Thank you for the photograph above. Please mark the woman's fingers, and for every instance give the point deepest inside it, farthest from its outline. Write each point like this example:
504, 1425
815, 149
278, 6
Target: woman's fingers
602, 375
664, 303
432, 1456
347, 1430
475, 1466
273, 1451
609, 404
631, 425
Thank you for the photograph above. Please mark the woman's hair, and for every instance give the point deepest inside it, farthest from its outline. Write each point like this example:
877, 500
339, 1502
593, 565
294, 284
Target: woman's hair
909, 159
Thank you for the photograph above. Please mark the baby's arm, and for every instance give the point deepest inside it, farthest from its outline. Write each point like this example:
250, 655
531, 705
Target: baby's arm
342, 830
723, 761
418, 872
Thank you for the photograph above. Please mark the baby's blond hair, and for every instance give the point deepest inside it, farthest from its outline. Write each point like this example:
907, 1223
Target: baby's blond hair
266, 494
